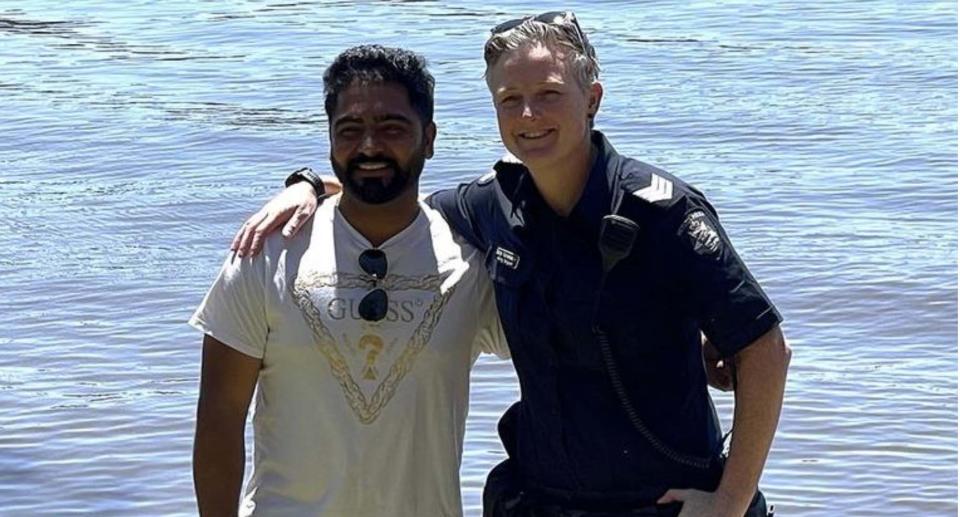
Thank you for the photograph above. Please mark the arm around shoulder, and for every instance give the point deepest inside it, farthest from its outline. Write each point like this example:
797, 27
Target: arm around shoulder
462, 208
490, 336
289, 209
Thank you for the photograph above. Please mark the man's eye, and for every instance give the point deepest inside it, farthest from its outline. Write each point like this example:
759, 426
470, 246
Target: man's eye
348, 132
393, 130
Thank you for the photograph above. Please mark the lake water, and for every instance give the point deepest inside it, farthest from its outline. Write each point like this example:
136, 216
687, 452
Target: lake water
136, 136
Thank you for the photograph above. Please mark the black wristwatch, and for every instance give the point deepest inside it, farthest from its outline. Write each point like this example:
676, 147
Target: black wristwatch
306, 174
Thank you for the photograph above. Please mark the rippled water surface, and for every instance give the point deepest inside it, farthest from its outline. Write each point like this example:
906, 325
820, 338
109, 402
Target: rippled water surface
135, 136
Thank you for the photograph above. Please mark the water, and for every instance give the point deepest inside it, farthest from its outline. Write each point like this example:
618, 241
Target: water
134, 138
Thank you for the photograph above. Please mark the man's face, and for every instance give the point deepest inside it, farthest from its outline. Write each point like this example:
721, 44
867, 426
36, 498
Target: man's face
542, 111
378, 144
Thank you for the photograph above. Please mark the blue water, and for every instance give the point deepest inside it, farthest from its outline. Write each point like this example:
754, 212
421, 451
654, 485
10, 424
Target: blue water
136, 136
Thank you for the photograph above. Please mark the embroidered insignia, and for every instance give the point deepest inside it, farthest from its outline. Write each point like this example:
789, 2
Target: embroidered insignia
703, 236
659, 189
508, 258
366, 396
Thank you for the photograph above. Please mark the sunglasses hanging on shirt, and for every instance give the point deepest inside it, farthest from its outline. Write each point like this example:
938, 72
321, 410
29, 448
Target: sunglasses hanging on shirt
373, 306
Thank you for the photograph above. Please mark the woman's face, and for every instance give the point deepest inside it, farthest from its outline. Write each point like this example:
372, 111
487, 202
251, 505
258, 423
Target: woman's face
542, 111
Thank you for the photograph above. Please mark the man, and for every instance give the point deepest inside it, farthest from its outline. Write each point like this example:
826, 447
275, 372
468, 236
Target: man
359, 333
614, 416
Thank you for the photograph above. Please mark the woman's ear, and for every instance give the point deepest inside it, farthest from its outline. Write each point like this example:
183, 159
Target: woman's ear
596, 95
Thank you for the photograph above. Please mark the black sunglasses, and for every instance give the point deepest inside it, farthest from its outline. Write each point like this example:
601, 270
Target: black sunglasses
373, 306
560, 18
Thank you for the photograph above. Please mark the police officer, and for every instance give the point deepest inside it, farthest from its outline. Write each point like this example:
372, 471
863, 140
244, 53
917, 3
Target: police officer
614, 416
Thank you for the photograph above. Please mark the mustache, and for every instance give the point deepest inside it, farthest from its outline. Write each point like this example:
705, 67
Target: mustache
359, 160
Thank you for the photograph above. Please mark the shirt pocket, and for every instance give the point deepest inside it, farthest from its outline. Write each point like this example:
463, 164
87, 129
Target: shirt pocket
511, 270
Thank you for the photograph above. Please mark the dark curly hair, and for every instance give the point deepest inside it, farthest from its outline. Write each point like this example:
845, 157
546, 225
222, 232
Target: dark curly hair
377, 64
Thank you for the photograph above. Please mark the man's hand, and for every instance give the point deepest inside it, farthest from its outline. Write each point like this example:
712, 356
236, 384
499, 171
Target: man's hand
293, 206
719, 371
697, 503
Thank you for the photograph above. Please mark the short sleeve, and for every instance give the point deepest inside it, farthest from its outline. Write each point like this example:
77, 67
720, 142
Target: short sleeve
233, 311
455, 208
729, 304
490, 338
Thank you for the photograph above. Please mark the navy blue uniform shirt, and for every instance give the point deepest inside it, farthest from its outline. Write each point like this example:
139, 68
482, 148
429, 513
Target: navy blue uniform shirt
569, 433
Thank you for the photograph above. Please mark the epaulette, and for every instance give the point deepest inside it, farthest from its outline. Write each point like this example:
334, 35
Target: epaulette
509, 167
650, 185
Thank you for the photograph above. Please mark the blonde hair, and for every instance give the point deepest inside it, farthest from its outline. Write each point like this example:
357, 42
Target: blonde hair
566, 36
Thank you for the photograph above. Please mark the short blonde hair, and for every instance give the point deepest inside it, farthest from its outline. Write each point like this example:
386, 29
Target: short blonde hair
565, 36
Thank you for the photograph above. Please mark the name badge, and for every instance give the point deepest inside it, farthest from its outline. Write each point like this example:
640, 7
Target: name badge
507, 258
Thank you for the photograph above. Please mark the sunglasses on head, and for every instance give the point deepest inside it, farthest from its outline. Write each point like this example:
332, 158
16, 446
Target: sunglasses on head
560, 18
373, 306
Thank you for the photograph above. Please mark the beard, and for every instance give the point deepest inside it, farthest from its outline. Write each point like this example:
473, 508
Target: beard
377, 191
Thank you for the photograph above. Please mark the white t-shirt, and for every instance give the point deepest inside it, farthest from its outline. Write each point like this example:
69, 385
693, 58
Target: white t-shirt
354, 418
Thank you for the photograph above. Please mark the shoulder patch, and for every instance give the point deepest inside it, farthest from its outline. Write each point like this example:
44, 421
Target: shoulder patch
659, 189
701, 233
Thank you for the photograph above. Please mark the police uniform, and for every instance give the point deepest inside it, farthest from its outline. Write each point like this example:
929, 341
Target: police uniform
569, 437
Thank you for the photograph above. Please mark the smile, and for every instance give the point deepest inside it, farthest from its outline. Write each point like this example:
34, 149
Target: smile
372, 166
535, 135
381, 170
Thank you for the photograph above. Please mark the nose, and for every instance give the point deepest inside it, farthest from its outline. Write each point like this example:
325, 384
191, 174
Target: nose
528, 110
369, 145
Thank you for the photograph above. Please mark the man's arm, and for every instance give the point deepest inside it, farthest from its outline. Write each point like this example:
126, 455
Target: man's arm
297, 203
719, 373
458, 207
227, 381
294, 206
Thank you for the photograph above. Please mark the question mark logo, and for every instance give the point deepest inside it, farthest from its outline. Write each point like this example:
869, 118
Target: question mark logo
375, 345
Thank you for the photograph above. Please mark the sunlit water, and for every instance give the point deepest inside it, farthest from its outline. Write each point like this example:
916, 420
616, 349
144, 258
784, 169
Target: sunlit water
135, 137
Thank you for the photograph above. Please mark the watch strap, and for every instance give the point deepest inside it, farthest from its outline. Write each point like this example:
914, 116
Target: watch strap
306, 174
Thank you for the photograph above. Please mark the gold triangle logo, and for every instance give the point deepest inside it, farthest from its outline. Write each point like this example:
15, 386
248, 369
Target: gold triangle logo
366, 408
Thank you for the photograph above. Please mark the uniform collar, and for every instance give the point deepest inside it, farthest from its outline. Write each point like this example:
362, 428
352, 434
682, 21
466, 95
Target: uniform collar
594, 202
600, 195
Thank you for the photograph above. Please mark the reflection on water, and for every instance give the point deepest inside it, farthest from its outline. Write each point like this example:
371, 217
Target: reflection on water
136, 137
